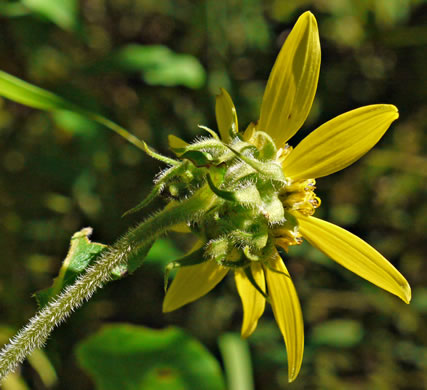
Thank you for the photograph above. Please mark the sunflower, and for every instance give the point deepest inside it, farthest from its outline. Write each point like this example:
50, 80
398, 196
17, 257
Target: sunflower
267, 200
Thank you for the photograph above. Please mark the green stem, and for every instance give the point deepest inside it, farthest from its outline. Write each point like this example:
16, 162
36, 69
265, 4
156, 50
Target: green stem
125, 134
36, 332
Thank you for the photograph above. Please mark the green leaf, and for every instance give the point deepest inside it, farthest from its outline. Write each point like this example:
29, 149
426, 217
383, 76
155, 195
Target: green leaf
160, 65
129, 357
338, 333
25, 93
137, 258
237, 362
81, 254
76, 124
22, 92
12, 10
162, 252
63, 13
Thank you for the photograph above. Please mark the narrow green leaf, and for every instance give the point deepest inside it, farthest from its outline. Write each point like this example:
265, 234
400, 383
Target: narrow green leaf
237, 362
25, 93
22, 92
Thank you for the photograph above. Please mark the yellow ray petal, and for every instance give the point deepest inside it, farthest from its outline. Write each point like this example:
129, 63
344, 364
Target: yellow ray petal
339, 142
293, 82
354, 254
191, 283
226, 116
287, 311
252, 300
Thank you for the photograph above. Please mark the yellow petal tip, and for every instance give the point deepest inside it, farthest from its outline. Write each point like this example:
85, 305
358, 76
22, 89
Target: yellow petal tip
407, 294
166, 308
221, 92
292, 375
310, 18
390, 108
307, 14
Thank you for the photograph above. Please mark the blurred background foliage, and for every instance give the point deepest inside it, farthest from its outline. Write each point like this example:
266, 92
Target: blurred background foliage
155, 67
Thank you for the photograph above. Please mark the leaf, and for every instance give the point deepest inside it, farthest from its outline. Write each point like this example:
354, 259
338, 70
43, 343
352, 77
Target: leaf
22, 92
130, 357
237, 361
63, 13
160, 65
76, 124
162, 252
11, 10
81, 254
338, 333
25, 93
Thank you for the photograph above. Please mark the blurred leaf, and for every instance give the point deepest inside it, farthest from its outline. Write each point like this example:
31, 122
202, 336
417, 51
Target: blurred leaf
160, 65
162, 252
63, 13
11, 10
237, 362
76, 124
419, 301
338, 333
82, 253
128, 357
283, 10
14, 382
44, 368
389, 12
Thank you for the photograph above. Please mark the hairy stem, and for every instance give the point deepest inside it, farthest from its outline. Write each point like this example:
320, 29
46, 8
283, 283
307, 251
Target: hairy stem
36, 332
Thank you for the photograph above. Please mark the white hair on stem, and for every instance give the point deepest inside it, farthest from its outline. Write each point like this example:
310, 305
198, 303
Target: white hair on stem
36, 332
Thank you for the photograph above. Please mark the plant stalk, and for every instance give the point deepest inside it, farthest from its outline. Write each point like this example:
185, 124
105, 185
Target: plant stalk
136, 241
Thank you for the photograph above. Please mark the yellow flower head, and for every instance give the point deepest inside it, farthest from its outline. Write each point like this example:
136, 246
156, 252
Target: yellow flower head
262, 195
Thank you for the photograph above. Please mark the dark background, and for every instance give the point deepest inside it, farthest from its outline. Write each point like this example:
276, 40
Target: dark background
59, 173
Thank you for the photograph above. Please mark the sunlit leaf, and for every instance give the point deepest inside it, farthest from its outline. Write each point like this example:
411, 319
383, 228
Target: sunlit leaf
22, 92
82, 253
160, 66
63, 13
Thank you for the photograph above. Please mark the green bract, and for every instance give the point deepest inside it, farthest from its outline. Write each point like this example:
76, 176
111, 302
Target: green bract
247, 183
